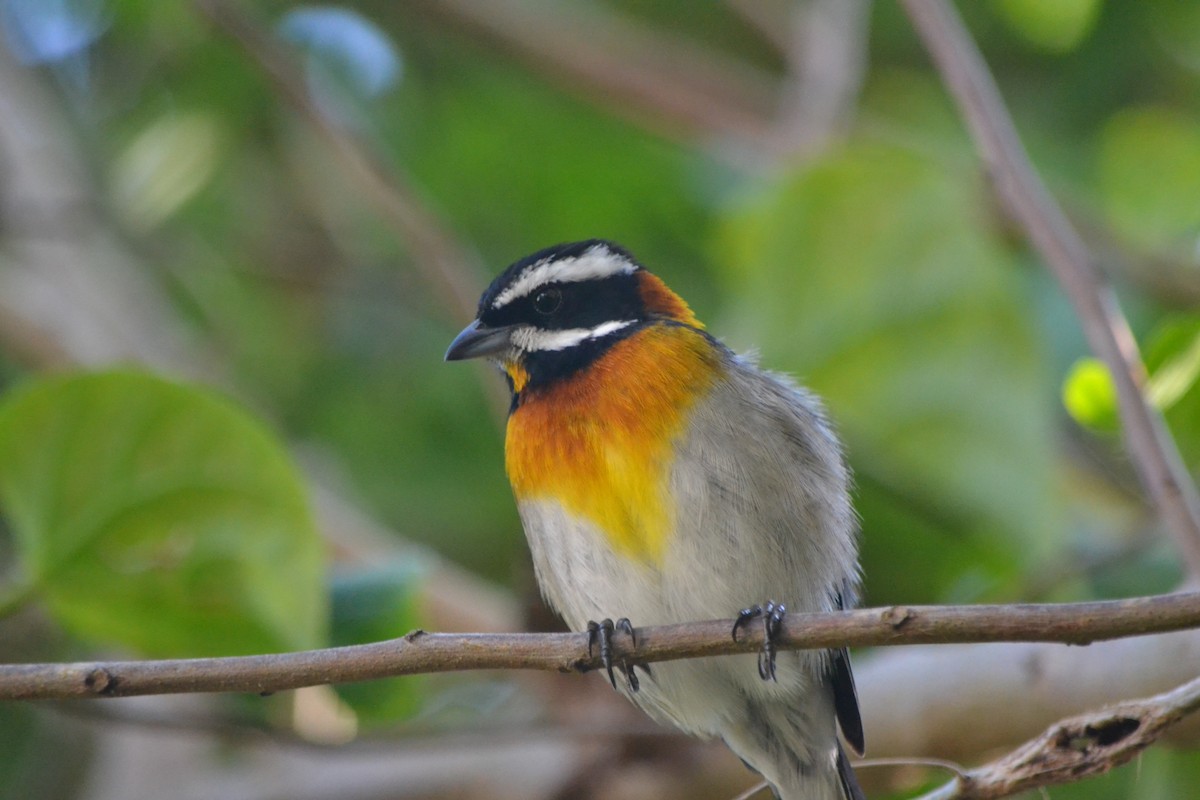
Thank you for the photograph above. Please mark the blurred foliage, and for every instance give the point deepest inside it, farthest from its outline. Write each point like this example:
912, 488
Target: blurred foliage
949, 356
1149, 168
159, 517
31, 762
879, 272
1055, 27
370, 605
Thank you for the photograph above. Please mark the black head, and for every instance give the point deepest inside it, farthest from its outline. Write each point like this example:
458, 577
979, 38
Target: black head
554, 312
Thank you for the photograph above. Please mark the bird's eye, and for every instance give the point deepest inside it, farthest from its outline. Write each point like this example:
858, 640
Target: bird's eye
547, 301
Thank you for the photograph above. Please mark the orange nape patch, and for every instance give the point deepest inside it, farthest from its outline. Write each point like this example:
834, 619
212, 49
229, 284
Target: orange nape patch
600, 442
661, 301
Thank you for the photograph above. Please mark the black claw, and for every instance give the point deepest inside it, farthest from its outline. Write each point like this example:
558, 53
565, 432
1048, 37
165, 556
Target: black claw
744, 618
624, 625
773, 625
601, 633
772, 614
763, 665
606, 632
774, 621
593, 632
630, 676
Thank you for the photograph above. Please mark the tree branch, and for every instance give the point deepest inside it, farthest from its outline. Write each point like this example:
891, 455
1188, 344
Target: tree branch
420, 652
1027, 200
928, 700
1075, 748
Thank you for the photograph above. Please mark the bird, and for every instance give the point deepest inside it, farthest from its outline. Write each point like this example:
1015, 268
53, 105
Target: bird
662, 478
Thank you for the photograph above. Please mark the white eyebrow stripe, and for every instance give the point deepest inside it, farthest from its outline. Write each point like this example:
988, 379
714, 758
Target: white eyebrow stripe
535, 340
596, 262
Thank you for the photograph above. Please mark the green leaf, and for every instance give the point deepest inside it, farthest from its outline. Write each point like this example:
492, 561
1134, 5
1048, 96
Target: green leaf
1173, 358
911, 556
1149, 168
875, 277
370, 605
158, 516
1175, 26
1056, 27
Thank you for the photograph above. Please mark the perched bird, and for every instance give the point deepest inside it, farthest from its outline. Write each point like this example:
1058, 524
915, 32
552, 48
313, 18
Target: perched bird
661, 478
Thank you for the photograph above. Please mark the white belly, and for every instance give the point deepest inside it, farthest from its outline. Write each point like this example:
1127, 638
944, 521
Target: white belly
580, 574
585, 580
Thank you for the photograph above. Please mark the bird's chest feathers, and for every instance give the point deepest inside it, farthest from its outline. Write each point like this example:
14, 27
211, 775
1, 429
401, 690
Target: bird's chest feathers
601, 442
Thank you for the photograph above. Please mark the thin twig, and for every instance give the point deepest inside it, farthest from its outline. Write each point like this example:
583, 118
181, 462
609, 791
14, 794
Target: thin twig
1076, 748
911, 761
827, 61
753, 790
1020, 189
420, 652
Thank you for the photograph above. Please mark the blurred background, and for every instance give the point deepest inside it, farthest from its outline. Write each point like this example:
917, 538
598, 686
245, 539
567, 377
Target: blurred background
235, 240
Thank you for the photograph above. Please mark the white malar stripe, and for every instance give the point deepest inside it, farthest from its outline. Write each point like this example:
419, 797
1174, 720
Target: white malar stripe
596, 262
534, 340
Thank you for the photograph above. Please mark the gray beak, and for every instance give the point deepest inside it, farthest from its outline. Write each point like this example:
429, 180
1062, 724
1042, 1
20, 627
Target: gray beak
478, 340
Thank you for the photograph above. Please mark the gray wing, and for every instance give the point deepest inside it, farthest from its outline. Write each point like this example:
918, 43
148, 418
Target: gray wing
763, 508
763, 513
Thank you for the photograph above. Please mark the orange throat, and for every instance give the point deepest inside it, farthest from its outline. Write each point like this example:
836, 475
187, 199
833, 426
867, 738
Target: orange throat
600, 442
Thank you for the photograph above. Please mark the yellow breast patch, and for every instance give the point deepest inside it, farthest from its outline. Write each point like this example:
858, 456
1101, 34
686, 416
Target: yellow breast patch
600, 442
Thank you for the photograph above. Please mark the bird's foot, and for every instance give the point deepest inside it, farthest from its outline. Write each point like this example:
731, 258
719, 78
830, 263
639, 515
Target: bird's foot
601, 633
772, 615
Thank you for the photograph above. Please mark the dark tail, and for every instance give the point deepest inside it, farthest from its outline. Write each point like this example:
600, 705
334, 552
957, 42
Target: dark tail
794, 746
846, 775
